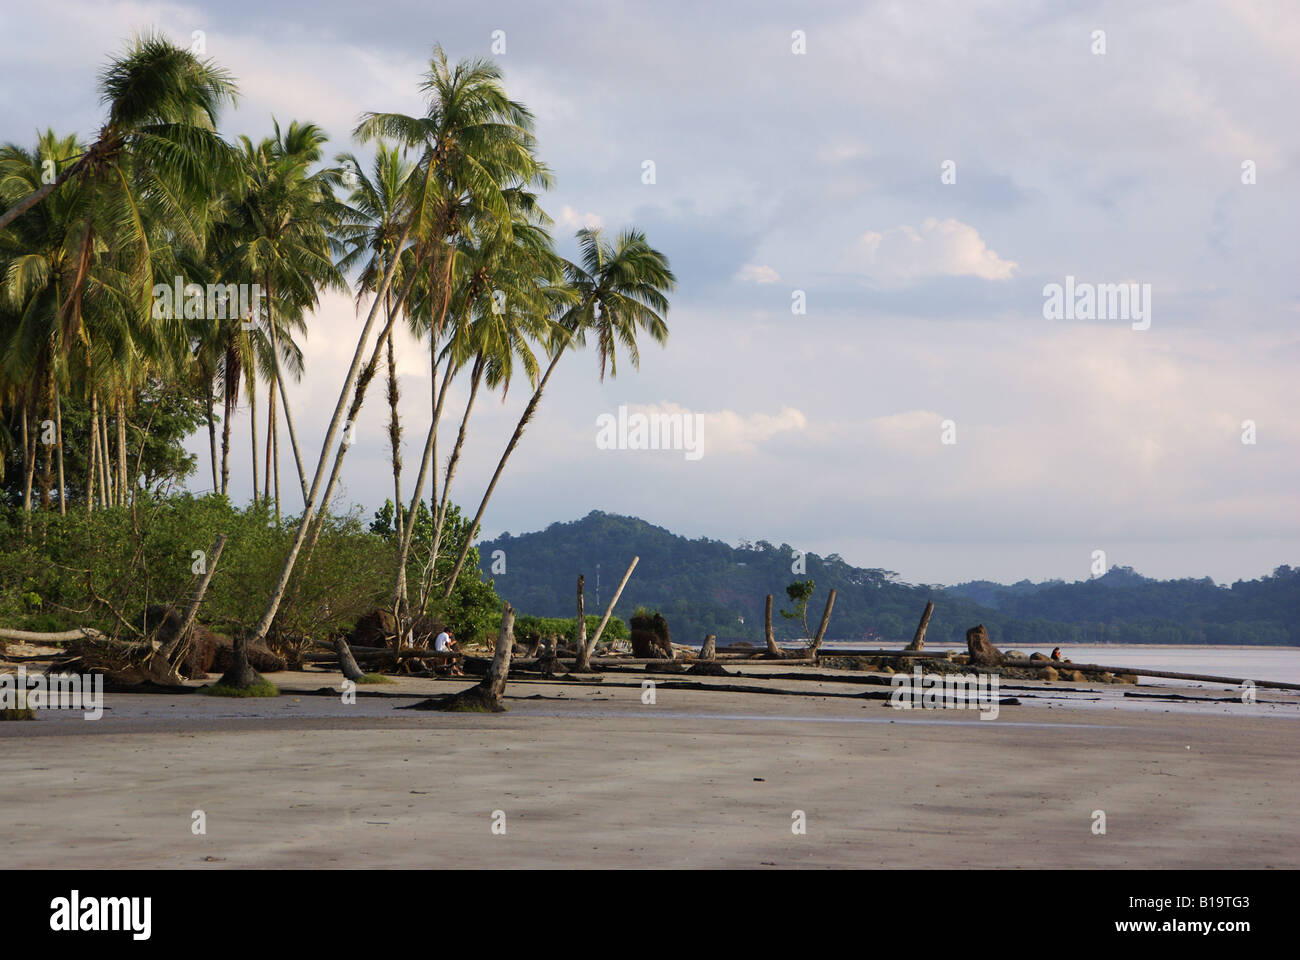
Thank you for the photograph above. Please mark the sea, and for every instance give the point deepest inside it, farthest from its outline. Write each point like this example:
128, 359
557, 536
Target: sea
1250, 662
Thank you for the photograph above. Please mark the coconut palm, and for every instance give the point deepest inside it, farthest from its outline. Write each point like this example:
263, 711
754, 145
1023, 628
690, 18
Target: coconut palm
474, 142
279, 233
378, 206
620, 291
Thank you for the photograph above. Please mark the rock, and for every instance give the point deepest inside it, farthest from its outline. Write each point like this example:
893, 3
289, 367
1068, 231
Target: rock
982, 651
1077, 676
1128, 678
1015, 655
1049, 674
1037, 656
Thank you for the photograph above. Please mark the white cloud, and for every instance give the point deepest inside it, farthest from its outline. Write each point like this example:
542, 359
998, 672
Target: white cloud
939, 248
574, 220
757, 273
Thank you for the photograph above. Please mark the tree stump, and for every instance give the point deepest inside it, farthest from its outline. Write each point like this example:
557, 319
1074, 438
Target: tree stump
709, 650
982, 651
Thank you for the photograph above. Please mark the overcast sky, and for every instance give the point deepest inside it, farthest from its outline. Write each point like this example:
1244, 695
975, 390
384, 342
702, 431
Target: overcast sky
823, 172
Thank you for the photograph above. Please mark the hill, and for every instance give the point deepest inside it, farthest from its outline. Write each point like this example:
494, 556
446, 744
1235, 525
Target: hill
707, 586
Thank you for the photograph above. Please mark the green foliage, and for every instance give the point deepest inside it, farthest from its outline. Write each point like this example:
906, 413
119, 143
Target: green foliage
529, 627
103, 569
799, 592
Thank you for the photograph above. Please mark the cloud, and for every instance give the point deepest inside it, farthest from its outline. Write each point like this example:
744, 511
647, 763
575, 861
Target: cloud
756, 273
939, 248
574, 220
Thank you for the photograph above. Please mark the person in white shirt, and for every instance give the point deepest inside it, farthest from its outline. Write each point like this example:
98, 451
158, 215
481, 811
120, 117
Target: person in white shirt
446, 643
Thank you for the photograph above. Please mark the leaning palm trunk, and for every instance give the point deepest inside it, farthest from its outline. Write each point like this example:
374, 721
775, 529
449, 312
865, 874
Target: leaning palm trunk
362, 382
501, 465
441, 518
284, 398
304, 524
212, 437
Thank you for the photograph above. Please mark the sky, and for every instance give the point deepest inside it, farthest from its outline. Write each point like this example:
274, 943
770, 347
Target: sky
913, 175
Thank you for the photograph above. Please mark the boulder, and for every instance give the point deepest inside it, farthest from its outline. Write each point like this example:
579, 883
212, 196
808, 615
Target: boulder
1049, 674
1037, 656
1015, 655
982, 651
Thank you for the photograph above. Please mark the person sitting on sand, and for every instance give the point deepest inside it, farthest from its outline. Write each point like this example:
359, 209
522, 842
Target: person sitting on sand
446, 643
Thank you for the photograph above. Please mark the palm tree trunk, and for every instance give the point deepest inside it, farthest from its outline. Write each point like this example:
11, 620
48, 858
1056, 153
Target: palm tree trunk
105, 465
361, 383
440, 517
212, 437
225, 442
277, 594
275, 436
35, 197
29, 459
123, 481
58, 435
91, 457
284, 397
501, 465
270, 441
395, 440
428, 457
252, 425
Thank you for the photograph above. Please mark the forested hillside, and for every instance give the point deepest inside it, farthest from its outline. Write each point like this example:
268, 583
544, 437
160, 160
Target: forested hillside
707, 586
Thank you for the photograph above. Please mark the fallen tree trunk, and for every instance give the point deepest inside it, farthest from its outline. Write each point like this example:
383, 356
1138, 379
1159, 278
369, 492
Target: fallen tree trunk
28, 636
182, 638
1143, 672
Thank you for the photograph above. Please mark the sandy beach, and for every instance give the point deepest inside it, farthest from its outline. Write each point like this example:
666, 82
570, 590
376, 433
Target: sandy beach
587, 775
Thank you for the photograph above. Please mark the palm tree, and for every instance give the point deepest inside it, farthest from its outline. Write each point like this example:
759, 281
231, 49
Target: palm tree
472, 138
475, 143
379, 205
278, 233
620, 290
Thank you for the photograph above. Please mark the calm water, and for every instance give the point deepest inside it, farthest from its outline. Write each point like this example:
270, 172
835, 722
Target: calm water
1255, 663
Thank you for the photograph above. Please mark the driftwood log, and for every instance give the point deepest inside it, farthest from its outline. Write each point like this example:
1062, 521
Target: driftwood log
709, 649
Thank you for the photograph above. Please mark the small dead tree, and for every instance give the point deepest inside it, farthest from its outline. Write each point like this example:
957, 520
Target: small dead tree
821, 629
918, 639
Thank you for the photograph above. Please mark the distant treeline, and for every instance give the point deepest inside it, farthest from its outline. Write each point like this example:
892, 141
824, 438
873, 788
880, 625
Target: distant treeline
707, 586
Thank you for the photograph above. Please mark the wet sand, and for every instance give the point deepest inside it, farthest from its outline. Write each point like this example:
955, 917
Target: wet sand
588, 775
